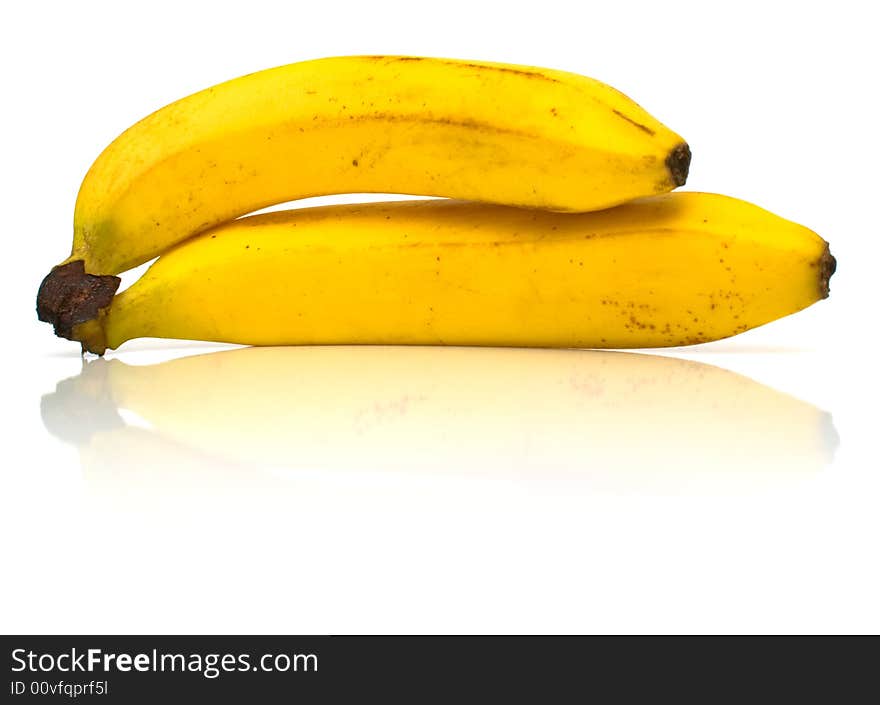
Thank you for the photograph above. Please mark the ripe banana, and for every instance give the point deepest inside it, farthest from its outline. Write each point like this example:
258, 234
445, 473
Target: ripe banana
499, 133
669, 270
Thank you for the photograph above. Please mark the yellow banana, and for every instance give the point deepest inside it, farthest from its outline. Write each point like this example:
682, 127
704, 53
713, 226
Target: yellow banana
480, 131
669, 270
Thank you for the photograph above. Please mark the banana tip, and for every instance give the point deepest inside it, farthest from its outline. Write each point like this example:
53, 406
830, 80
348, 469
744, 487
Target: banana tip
69, 297
827, 267
679, 163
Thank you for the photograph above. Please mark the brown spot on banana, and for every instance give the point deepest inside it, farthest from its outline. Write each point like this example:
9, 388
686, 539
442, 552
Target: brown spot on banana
505, 69
470, 65
383, 57
448, 122
643, 128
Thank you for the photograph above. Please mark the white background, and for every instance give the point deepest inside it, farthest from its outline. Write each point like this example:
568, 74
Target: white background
460, 494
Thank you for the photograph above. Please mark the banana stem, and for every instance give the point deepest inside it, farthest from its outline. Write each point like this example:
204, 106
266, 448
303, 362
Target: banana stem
74, 303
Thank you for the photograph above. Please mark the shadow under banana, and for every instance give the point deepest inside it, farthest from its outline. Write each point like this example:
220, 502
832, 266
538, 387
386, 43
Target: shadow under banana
258, 418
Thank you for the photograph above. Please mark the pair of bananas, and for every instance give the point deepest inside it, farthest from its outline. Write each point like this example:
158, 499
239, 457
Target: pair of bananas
539, 251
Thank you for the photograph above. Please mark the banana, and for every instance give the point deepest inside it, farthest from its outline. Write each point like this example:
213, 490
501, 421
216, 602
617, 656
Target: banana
670, 270
499, 133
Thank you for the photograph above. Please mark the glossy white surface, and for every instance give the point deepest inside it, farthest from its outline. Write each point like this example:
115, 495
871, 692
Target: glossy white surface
179, 488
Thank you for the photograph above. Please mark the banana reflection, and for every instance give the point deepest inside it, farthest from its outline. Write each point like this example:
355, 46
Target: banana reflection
616, 421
